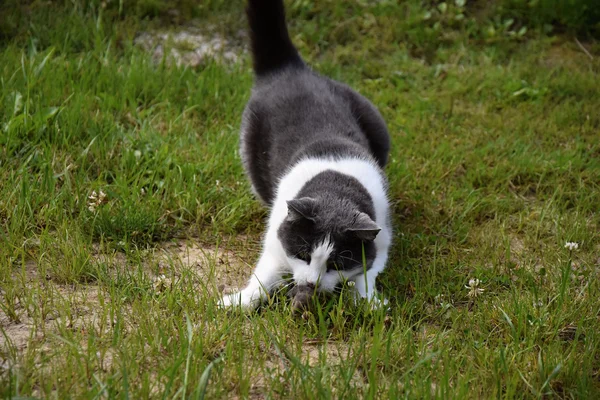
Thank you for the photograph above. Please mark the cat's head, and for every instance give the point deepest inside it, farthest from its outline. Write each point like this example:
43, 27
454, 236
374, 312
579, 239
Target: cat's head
327, 240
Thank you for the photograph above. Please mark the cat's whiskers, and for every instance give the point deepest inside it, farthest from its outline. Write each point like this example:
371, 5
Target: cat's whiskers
346, 251
286, 281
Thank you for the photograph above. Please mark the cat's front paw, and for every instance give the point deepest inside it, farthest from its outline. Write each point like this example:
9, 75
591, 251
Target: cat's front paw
377, 304
239, 299
373, 300
229, 300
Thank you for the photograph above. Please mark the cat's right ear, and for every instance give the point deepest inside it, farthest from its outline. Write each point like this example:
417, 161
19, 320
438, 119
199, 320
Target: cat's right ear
364, 228
304, 208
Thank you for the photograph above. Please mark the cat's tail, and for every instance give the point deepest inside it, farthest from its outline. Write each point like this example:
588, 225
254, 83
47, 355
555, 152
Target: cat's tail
272, 48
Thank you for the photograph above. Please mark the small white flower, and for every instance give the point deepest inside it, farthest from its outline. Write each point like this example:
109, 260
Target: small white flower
474, 289
351, 283
142, 191
571, 246
96, 199
473, 283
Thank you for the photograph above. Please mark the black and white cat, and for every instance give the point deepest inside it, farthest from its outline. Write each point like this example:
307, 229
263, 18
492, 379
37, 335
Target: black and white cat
314, 150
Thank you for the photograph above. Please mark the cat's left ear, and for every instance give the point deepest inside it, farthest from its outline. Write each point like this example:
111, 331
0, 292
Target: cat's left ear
364, 228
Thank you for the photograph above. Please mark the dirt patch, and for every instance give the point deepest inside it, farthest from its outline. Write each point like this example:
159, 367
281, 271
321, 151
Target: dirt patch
34, 322
336, 353
517, 249
190, 45
313, 353
215, 267
18, 334
567, 55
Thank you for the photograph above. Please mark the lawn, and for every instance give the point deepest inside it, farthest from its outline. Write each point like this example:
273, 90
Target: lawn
125, 212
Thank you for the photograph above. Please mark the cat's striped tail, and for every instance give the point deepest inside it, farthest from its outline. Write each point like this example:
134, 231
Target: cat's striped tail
272, 48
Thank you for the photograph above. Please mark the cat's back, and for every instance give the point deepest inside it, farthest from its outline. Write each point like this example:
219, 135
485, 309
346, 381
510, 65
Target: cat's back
295, 113
301, 103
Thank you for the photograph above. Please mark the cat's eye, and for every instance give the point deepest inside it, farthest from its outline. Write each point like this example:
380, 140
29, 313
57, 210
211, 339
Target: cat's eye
304, 256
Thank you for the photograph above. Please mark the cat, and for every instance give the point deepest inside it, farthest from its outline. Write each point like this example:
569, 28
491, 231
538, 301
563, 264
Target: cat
314, 151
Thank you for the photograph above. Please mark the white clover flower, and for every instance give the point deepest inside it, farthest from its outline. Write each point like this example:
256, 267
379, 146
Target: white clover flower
474, 289
351, 283
96, 199
473, 283
571, 246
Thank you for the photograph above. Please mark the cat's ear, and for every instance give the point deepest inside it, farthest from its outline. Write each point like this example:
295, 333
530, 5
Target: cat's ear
304, 208
364, 228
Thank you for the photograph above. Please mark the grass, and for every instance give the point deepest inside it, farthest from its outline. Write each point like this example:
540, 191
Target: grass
495, 165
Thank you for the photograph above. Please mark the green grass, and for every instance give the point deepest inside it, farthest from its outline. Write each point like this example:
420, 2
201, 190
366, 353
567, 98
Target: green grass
495, 165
